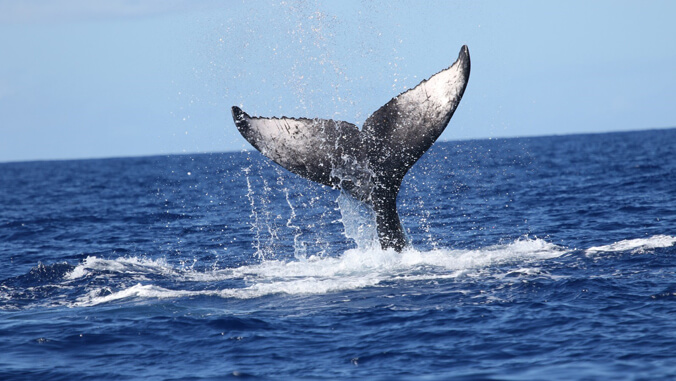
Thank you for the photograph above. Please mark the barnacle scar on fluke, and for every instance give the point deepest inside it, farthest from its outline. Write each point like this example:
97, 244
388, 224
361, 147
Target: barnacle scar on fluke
368, 164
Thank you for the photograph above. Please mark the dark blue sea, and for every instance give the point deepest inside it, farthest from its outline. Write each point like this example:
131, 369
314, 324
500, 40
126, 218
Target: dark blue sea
548, 258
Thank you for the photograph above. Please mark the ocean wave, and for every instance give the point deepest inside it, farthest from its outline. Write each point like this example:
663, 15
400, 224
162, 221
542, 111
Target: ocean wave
355, 269
101, 280
635, 246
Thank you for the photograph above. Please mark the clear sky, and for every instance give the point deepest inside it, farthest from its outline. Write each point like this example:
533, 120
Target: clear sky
84, 78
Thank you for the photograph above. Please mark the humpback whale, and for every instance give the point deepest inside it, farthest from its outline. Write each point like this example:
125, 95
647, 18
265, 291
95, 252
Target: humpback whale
369, 164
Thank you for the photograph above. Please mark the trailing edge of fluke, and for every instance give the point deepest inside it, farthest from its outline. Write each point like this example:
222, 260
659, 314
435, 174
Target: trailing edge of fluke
369, 164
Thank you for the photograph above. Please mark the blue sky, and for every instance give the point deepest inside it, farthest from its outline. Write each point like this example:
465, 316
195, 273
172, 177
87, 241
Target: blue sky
83, 79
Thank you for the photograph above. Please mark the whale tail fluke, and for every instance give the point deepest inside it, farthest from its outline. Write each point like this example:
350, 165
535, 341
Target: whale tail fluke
369, 164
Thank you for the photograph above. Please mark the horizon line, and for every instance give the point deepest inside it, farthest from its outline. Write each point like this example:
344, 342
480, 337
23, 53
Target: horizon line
150, 155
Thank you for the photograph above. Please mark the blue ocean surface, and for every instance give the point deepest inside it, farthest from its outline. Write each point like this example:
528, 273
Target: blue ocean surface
548, 258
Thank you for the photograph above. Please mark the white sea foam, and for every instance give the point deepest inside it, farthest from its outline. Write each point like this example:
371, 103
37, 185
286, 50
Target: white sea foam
93, 297
636, 246
353, 270
127, 265
137, 278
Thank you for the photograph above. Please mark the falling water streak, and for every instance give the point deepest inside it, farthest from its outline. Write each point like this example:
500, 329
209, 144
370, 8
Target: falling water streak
299, 247
255, 224
318, 224
425, 221
269, 220
322, 243
424, 216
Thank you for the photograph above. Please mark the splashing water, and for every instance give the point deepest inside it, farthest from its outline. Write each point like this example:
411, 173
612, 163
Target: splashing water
97, 280
359, 222
355, 269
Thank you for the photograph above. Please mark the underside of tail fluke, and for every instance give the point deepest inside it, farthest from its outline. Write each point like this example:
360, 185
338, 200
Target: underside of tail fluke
311, 148
369, 164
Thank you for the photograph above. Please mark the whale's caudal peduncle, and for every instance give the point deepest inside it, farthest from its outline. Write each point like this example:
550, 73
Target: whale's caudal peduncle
368, 164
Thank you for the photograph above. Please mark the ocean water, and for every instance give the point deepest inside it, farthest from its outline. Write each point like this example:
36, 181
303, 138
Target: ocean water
533, 258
